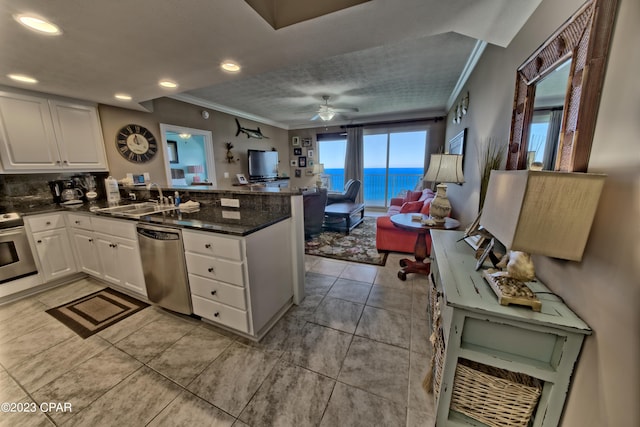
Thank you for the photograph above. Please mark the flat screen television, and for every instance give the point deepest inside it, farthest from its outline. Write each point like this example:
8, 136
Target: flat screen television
263, 165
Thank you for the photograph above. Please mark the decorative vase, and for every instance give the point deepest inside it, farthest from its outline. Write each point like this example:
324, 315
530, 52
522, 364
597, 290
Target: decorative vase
440, 207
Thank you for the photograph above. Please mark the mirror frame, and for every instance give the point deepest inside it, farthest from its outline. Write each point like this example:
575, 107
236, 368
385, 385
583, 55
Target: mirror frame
585, 38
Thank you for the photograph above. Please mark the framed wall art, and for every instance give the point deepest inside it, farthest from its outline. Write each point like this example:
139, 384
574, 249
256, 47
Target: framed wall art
457, 143
298, 173
302, 161
297, 151
309, 153
295, 141
306, 142
172, 151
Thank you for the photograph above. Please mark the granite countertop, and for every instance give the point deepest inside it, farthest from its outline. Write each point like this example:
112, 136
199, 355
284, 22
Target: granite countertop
239, 222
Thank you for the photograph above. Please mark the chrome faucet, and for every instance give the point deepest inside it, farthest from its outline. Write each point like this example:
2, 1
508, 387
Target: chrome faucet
160, 197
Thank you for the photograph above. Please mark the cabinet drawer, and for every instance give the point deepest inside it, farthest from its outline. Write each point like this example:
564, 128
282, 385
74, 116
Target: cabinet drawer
217, 291
113, 227
220, 313
214, 268
46, 222
80, 221
212, 245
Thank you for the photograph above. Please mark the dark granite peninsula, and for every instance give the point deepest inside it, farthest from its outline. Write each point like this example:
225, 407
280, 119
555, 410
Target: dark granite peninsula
258, 233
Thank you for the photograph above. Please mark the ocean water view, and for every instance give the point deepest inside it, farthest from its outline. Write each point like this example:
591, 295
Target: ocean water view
375, 190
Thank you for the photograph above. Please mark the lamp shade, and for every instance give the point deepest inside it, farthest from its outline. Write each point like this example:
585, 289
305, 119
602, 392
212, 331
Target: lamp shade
195, 169
318, 168
445, 168
540, 212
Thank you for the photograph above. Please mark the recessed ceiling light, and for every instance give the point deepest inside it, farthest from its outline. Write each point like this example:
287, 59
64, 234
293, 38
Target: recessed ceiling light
230, 66
22, 78
123, 97
38, 24
168, 84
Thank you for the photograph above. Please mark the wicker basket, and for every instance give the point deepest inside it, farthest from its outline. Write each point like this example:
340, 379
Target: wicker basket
438, 361
494, 396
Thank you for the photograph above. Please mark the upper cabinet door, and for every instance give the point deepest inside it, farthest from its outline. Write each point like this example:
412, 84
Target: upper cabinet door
27, 139
79, 136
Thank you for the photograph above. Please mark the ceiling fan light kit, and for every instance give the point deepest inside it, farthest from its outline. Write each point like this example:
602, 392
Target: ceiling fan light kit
326, 115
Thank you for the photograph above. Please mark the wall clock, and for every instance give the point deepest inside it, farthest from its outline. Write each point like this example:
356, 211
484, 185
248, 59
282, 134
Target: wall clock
136, 143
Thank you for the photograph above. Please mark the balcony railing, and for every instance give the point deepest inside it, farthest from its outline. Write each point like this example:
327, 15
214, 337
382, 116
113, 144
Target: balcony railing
374, 186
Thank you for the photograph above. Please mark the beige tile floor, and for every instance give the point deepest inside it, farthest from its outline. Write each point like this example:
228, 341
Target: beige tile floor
354, 353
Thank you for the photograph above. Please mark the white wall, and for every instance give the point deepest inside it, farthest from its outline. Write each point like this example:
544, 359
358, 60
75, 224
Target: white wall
603, 289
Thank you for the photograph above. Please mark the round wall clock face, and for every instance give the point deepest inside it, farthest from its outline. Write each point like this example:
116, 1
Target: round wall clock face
136, 143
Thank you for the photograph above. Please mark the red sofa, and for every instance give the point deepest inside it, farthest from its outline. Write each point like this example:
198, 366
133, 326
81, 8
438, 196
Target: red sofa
391, 238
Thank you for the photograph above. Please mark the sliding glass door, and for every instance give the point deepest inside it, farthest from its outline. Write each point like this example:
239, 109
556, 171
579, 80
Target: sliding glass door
393, 162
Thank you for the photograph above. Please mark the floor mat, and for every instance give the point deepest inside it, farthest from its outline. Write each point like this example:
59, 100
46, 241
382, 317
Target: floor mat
97, 311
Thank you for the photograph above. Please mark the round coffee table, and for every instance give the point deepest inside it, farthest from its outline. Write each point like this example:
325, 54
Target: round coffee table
405, 221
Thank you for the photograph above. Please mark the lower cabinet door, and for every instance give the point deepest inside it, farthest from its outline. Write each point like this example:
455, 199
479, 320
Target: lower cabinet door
220, 313
87, 252
55, 253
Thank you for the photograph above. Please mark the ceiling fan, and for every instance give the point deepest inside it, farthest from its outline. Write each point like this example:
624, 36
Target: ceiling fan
326, 112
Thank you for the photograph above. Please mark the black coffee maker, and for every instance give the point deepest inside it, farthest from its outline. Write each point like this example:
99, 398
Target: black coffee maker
57, 187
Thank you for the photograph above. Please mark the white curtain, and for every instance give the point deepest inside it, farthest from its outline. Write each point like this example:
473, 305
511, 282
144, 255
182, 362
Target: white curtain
553, 135
354, 159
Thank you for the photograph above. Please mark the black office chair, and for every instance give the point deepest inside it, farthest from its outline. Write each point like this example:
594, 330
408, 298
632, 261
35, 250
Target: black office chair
351, 189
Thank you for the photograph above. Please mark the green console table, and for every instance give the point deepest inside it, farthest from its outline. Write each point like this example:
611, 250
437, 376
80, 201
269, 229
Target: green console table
542, 345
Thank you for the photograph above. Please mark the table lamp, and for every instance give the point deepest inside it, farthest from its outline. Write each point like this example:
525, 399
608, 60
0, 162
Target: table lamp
195, 169
443, 168
540, 212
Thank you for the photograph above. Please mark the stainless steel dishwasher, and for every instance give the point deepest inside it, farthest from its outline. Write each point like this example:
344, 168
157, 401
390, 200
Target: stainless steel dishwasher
164, 267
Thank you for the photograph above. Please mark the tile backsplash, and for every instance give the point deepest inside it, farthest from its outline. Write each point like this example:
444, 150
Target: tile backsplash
33, 189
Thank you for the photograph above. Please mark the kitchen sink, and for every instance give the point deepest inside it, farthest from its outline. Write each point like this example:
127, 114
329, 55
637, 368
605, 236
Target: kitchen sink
136, 210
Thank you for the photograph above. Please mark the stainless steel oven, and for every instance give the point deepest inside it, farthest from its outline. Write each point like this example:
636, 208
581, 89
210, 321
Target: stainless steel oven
16, 259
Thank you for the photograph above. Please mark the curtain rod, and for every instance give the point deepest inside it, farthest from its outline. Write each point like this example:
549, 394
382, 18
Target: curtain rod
395, 122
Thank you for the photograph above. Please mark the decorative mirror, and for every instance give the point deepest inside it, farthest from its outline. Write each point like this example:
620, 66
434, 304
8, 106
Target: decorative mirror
580, 46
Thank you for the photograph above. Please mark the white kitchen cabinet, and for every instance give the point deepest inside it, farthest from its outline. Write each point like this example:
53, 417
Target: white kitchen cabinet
84, 243
52, 245
119, 253
39, 134
241, 283
86, 252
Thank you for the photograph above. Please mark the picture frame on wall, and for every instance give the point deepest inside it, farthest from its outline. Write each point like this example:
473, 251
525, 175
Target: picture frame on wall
298, 173
295, 141
172, 151
457, 145
308, 172
297, 151
306, 142
302, 161
294, 163
310, 153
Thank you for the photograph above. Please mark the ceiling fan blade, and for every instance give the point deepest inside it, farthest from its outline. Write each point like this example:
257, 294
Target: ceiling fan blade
345, 110
316, 117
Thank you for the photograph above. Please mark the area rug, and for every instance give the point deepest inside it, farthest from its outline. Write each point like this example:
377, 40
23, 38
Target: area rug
358, 246
97, 311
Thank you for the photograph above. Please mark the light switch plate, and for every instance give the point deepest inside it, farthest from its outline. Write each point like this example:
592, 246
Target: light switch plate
232, 203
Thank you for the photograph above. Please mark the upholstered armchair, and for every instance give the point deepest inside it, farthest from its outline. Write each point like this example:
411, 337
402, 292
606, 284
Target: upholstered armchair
313, 202
351, 189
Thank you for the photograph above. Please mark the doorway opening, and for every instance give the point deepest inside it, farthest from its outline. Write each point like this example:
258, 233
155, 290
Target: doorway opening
189, 156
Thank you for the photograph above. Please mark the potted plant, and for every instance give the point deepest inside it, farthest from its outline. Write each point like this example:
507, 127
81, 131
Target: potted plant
490, 157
